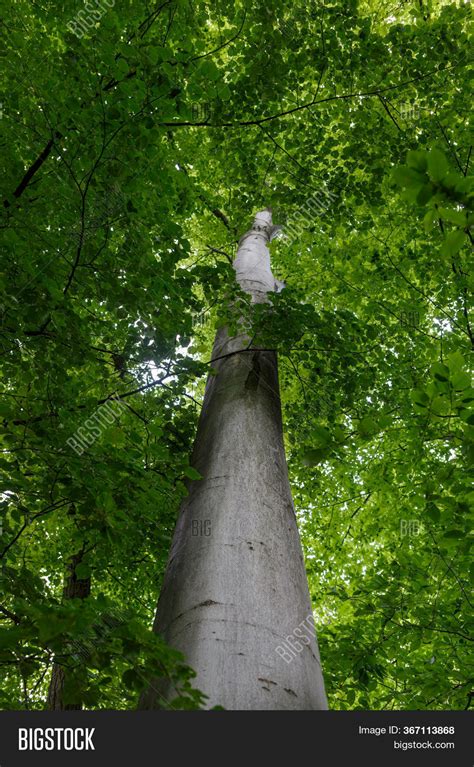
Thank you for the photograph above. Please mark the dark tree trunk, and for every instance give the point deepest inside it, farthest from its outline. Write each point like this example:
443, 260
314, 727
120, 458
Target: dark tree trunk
74, 588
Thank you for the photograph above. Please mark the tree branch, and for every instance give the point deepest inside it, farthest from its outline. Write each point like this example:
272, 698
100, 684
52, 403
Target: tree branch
34, 168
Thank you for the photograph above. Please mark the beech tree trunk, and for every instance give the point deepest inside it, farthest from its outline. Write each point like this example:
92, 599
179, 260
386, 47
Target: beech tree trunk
235, 587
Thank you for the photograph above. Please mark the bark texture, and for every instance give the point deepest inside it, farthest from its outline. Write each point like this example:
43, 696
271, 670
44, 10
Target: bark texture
235, 586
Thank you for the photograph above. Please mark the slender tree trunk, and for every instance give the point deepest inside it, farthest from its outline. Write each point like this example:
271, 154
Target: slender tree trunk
74, 588
235, 587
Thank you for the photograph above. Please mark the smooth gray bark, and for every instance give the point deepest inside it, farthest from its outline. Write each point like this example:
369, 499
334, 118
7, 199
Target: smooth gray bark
235, 587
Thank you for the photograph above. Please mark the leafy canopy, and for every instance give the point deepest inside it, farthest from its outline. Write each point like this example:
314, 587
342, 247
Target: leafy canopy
136, 149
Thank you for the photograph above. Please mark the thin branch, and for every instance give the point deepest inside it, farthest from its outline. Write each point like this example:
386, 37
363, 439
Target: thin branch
8, 613
221, 252
224, 45
34, 168
382, 101
259, 121
467, 162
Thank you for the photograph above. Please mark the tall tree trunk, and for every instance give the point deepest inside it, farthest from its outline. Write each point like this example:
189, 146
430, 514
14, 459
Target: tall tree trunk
74, 588
235, 588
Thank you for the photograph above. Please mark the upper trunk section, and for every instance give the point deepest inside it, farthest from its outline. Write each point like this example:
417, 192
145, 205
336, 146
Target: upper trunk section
252, 263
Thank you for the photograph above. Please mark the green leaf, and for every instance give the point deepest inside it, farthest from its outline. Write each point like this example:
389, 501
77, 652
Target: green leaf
425, 194
430, 219
192, 473
224, 91
433, 512
420, 397
467, 395
440, 371
438, 166
457, 217
417, 160
461, 381
453, 243
367, 427
132, 680
455, 361
312, 456
321, 436
122, 68
408, 177
157, 53
467, 415
209, 70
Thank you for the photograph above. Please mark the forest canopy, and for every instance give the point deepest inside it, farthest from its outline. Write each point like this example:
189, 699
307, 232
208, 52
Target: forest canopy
138, 141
